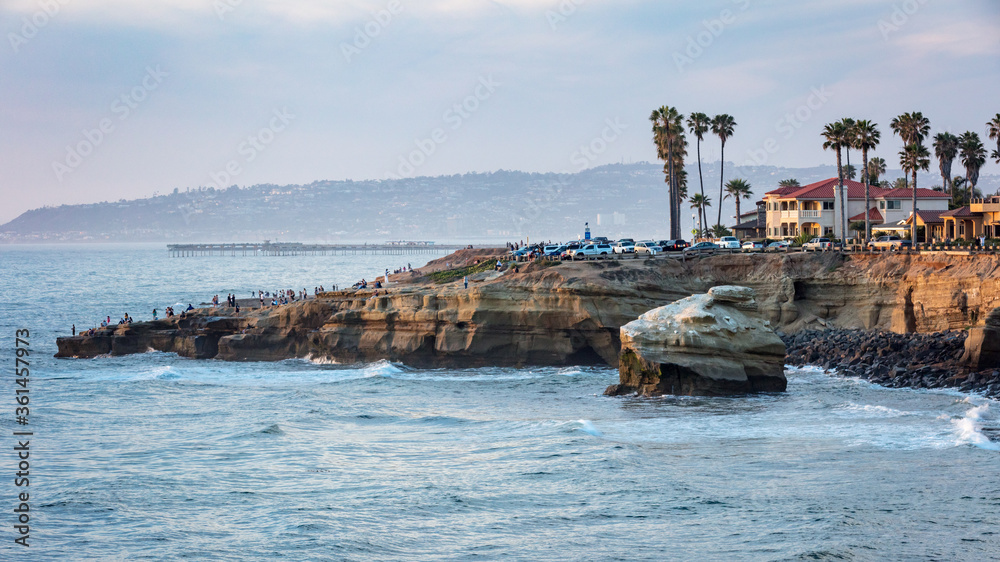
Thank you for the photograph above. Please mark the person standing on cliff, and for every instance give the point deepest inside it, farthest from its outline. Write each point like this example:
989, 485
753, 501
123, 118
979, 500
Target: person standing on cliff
466, 279
74, 329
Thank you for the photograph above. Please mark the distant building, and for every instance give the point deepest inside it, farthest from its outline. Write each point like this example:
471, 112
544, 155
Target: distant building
815, 208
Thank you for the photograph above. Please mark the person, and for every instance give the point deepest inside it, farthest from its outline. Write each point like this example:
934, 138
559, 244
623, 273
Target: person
237, 309
74, 329
466, 279
189, 308
154, 314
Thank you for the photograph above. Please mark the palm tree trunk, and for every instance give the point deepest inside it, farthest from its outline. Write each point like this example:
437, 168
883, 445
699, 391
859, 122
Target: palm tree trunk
670, 180
868, 224
722, 178
843, 207
913, 224
701, 180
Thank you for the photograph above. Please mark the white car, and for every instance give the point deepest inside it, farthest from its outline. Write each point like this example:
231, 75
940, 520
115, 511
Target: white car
647, 247
591, 250
624, 247
753, 245
730, 242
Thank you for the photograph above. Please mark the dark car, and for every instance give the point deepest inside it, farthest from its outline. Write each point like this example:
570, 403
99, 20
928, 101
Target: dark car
673, 245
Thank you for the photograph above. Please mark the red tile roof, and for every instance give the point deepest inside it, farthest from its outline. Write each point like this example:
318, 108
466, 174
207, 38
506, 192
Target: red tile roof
929, 217
959, 212
855, 190
873, 215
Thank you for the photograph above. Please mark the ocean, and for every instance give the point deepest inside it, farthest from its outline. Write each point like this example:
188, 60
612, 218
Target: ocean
156, 457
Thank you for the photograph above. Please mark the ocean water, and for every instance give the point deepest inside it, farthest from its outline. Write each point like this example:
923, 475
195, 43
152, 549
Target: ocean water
157, 457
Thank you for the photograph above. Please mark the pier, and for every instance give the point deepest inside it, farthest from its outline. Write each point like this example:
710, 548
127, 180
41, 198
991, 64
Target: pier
268, 248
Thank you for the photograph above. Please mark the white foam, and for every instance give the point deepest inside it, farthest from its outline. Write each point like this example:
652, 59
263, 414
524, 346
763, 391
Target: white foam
970, 427
588, 427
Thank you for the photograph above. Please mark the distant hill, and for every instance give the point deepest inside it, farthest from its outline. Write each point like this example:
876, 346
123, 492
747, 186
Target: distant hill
617, 200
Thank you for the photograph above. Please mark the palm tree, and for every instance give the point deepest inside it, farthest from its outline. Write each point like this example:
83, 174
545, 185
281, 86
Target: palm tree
699, 201
723, 126
876, 169
850, 127
836, 137
912, 158
698, 124
911, 127
993, 126
946, 149
738, 189
973, 155
791, 182
867, 137
666, 130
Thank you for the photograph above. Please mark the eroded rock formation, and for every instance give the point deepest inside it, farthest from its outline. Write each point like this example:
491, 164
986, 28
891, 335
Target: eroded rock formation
704, 345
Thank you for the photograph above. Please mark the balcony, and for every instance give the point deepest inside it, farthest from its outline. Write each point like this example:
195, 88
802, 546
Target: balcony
988, 205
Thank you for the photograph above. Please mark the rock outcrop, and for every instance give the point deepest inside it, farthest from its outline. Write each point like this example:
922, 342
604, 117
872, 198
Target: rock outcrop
982, 347
704, 345
569, 312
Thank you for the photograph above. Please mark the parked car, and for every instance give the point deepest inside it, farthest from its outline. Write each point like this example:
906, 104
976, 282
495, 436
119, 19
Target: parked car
548, 250
601, 240
778, 245
591, 250
818, 244
673, 245
626, 246
753, 245
555, 250
730, 242
702, 248
890, 243
647, 247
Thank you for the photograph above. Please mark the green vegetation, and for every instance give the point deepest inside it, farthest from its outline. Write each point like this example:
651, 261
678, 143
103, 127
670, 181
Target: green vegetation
448, 275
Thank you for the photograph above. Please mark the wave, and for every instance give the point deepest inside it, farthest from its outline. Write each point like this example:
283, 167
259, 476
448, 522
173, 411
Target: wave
970, 428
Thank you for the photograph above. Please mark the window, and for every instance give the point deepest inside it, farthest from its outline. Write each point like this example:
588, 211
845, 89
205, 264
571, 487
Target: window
827, 205
890, 205
827, 230
961, 229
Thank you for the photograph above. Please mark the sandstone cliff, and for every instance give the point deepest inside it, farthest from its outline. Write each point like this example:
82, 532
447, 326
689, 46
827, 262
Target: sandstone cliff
570, 313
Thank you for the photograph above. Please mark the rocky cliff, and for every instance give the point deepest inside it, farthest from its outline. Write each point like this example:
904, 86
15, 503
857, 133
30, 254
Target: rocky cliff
568, 313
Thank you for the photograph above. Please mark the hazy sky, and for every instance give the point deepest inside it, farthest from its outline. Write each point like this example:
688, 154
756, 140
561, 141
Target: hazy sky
109, 99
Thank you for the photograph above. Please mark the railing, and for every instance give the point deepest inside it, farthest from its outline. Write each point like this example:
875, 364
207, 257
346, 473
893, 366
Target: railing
811, 214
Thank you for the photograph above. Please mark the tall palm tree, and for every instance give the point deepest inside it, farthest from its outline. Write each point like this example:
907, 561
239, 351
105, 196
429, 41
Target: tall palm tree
912, 158
876, 169
723, 125
738, 189
911, 127
699, 202
836, 137
946, 149
867, 137
698, 124
973, 155
993, 126
851, 127
791, 182
666, 129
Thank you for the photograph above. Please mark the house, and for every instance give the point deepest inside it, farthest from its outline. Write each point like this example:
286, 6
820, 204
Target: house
752, 224
814, 209
932, 221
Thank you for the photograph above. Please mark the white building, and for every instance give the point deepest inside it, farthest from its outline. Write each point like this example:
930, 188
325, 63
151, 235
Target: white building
815, 208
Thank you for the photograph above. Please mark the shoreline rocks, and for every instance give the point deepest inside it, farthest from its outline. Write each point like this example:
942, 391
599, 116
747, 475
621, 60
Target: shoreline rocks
714, 344
933, 360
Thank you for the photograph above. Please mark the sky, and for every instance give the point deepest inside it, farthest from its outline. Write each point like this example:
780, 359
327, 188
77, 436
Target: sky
102, 100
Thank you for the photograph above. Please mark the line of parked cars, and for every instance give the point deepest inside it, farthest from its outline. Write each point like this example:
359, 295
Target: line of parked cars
600, 246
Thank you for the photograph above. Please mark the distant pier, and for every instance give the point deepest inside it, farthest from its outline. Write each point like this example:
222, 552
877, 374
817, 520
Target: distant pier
268, 248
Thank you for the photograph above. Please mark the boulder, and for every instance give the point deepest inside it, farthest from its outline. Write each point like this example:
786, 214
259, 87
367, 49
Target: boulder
711, 344
982, 347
